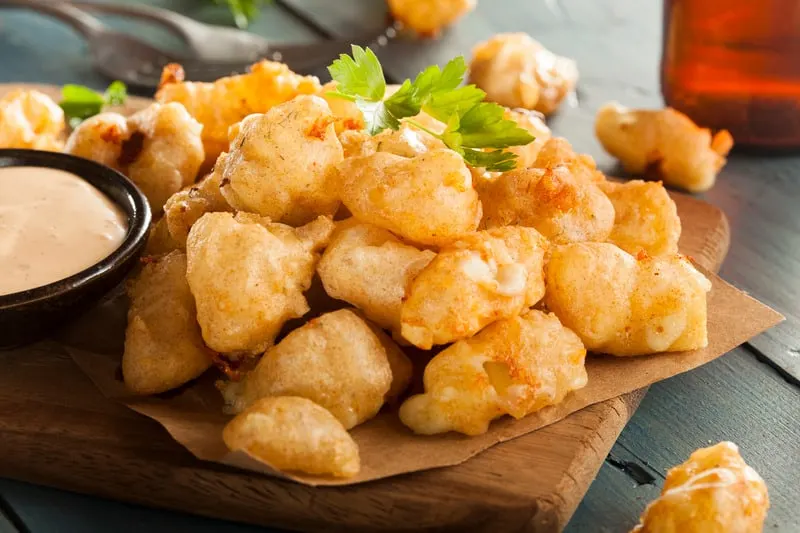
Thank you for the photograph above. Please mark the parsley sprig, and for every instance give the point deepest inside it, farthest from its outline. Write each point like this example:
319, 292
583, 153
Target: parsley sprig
475, 129
80, 103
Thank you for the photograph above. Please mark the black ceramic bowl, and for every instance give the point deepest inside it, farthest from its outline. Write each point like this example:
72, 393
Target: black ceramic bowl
29, 315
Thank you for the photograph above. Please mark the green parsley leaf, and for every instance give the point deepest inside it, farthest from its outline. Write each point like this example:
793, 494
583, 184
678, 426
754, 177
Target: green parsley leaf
484, 126
80, 103
360, 76
116, 93
475, 129
377, 116
493, 161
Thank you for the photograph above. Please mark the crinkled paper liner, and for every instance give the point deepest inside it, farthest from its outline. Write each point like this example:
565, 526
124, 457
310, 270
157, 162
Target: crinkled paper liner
193, 414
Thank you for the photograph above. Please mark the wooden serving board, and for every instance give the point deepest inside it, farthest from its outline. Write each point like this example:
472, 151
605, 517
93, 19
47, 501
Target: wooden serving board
56, 429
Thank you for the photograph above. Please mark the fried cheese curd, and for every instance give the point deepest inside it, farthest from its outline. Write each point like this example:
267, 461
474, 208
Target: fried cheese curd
158, 148
281, 164
31, 119
515, 366
715, 491
558, 196
427, 200
645, 217
294, 434
664, 144
429, 17
370, 268
517, 71
186, 206
159, 241
226, 101
623, 305
336, 360
163, 345
482, 277
348, 117
248, 275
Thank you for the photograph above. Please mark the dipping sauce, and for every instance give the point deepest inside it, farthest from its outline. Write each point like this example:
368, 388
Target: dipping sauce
53, 224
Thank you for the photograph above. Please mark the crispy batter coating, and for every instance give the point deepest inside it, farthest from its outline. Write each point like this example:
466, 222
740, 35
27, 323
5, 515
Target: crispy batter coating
371, 269
159, 241
223, 103
347, 114
646, 218
158, 148
483, 277
336, 360
558, 152
281, 163
663, 144
294, 434
624, 305
715, 491
248, 276
517, 71
100, 138
407, 141
186, 206
429, 17
163, 346
551, 200
427, 199
31, 119
515, 366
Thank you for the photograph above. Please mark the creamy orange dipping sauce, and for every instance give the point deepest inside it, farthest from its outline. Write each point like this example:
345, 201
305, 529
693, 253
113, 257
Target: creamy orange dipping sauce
53, 224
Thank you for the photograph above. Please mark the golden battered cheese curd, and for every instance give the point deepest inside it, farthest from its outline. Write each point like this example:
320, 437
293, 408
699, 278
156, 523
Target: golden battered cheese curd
517, 71
714, 491
185, 207
663, 144
248, 276
429, 17
427, 199
31, 119
226, 101
481, 278
291, 433
159, 148
281, 164
163, 345
551, 200
645, 217
624, 305
336, 360
370, 268
515, 366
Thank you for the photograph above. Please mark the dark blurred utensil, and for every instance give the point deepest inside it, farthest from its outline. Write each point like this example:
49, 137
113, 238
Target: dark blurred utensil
124, 57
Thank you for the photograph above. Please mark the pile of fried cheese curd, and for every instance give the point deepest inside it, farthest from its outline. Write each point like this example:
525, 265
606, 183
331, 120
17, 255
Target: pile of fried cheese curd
310, 259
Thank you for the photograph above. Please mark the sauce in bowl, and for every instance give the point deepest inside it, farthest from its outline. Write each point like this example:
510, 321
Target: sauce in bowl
53, 224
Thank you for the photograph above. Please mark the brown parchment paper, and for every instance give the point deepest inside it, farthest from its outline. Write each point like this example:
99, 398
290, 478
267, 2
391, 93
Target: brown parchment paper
193, 414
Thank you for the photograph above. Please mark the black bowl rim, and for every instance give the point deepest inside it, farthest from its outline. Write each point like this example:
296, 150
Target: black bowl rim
139, 218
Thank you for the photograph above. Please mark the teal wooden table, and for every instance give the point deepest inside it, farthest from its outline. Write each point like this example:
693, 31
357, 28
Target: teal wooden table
750, 396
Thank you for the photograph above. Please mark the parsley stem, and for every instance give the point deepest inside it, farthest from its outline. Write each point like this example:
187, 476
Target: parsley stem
423, 128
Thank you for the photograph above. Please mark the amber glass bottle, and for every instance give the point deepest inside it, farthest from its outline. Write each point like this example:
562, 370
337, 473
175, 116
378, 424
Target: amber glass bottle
735, 64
